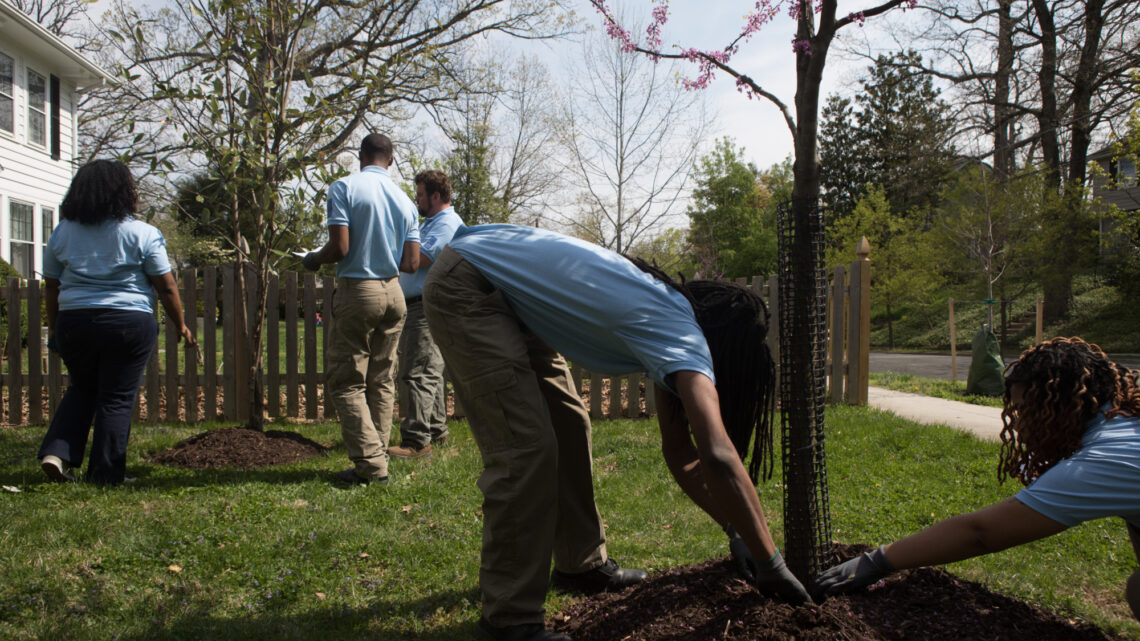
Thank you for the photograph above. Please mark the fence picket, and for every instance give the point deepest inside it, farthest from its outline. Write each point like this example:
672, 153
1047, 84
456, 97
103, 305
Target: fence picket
190, 314
292, 404
15, 384
229, 326
210, 341
35, 355
329, 289
311, 346
272, 347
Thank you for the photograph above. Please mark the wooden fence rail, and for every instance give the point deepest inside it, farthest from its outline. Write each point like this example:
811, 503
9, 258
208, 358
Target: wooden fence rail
180, 385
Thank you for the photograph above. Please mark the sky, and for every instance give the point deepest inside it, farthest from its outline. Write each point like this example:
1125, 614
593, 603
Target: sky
755, 124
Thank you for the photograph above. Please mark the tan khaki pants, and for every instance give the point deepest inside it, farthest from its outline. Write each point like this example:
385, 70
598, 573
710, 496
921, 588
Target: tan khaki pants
367, 318
533, 432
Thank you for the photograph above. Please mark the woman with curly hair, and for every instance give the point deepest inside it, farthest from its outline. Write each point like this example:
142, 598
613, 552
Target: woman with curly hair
1071, 435
102, 269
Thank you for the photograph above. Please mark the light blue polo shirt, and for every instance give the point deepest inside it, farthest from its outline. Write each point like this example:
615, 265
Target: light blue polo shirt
380, 219
1100, 479
106, 265
590, 304
435, 233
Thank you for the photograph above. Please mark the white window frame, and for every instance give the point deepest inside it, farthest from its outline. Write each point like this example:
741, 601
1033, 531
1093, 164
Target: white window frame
30, 242
33, 110
47, 224
11, 95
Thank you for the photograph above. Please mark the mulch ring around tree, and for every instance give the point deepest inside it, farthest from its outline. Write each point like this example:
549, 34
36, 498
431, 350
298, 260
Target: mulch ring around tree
707, 602
239, 447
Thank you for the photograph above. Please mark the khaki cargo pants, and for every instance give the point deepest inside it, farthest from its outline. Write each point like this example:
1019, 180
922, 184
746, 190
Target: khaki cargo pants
367, 318
533, 432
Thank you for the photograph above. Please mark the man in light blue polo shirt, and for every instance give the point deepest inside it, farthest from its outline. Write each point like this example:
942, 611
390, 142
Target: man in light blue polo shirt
373, 235
423, 392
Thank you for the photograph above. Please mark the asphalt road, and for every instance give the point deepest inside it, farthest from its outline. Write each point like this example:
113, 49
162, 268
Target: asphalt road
939, 365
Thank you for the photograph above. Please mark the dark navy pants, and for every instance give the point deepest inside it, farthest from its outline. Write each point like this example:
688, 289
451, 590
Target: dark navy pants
105, 352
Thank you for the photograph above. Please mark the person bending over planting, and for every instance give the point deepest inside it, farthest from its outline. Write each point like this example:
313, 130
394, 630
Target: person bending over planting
504, 303
1071, 435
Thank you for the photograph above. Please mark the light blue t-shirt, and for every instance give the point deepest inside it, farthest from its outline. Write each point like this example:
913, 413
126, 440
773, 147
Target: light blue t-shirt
1100, 479
380, 219
435, 233
106, 265
589, 303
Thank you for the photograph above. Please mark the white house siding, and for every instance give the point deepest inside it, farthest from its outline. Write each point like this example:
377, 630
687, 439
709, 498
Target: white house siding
27, 172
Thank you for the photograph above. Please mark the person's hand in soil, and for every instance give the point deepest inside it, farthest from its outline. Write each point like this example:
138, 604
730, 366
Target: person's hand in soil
852, 574
774, 579
741, 556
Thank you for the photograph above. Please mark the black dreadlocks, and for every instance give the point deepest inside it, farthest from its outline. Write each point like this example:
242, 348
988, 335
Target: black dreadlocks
734, 320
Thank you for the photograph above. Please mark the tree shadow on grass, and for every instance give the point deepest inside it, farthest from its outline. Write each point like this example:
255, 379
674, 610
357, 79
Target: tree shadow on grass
387, 617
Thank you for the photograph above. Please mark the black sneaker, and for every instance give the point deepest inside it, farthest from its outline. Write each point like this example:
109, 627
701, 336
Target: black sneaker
521, 632
606, 577
349, 477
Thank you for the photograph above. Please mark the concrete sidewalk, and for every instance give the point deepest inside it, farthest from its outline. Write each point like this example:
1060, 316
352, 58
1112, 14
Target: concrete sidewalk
984, 422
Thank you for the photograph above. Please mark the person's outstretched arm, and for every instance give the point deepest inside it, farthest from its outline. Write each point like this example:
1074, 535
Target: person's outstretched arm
992, 529
167, 290
711, 473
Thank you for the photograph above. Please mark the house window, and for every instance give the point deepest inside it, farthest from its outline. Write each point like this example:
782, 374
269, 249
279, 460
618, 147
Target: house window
1127, 173
22, 243
48, 215
37, 108
7, 104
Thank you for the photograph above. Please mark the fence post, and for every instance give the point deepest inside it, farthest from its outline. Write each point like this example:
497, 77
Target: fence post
859, 343
152, 382
953, 346
35, 355
837, 334
15, 385
595, 395
1039, 335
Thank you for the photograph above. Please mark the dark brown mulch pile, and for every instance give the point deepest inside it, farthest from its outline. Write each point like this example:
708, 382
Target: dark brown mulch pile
239, 447
708, 602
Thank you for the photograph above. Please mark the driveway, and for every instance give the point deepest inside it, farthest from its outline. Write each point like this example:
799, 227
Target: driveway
939, 365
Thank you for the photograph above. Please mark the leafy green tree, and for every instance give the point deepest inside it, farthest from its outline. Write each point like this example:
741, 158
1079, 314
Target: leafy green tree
266, 95
1122, 246
989, 224
732, 214
902, 271
896, 134
469, 167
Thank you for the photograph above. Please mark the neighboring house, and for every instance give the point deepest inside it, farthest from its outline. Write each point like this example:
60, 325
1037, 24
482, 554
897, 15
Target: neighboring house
1124, 194
1122, 170
40, 77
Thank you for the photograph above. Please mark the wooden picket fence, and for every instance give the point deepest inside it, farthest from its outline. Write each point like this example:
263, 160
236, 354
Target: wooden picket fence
182, 386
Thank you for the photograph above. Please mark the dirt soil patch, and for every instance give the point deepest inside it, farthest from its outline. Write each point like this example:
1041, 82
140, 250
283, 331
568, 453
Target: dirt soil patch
709, 602
239, 447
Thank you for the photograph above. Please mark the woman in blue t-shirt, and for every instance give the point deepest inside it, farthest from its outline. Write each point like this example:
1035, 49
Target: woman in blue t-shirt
102, 269
1072, 436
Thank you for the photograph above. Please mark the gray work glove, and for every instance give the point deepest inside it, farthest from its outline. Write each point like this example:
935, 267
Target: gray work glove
310, 262
774, 579
852, 574
741, 555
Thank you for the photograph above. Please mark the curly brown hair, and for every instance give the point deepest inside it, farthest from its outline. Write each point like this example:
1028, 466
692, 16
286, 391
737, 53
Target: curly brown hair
1066, 382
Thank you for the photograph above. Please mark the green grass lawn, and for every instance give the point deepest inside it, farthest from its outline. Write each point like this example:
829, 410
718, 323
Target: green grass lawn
931, 387
284, 554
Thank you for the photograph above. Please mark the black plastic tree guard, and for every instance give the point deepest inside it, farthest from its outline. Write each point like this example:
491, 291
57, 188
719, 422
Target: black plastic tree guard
803, 385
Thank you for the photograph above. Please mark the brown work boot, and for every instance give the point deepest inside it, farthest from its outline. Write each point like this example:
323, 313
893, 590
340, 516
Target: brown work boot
400, 451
